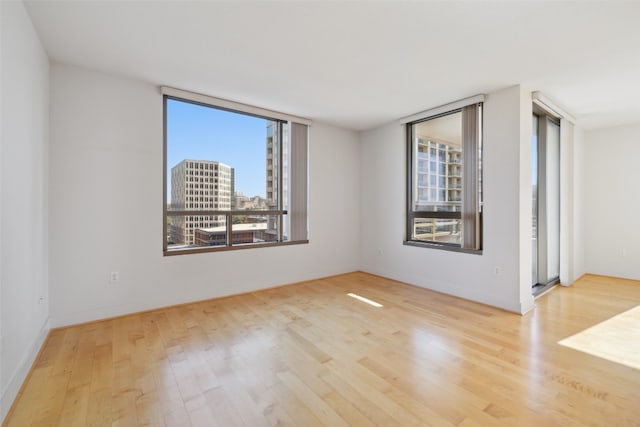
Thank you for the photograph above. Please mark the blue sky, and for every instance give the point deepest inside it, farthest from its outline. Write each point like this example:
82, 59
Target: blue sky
202, 133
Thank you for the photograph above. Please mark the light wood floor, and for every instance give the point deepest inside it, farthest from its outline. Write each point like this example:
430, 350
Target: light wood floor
310, 355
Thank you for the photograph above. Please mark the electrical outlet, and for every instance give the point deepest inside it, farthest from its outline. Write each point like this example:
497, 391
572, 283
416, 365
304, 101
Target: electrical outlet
497, 271
623, 252
114, 277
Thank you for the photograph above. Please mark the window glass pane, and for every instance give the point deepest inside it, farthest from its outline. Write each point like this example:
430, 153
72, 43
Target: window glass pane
232, 178
238, 148
444, 181
190, 232
255, 229
218, 160
438, 143
441, 230
534, 204
553, 200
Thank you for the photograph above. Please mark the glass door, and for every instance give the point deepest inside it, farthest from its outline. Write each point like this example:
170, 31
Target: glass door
534, 204
546, 201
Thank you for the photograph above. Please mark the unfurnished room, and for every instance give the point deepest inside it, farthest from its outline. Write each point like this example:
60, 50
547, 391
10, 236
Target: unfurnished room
319, 213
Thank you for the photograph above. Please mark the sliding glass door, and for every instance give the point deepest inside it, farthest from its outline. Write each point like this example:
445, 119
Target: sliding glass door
545, 147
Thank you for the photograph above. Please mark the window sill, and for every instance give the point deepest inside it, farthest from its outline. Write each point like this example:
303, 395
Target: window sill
169, 252
449, 248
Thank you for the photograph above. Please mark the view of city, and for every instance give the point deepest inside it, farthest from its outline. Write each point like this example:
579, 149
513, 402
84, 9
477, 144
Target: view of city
224, 163
438, 178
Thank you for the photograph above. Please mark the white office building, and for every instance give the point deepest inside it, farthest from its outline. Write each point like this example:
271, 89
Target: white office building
199, 185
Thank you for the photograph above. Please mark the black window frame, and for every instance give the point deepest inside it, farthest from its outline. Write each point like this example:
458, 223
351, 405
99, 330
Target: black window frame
466, 214
300, 211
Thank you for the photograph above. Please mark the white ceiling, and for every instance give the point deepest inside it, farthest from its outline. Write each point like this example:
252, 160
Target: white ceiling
361, 64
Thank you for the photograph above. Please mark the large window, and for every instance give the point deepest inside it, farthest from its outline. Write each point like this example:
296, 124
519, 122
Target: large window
235, 176
444, 188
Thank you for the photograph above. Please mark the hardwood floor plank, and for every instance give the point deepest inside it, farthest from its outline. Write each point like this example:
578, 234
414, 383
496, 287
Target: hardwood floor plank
309, 354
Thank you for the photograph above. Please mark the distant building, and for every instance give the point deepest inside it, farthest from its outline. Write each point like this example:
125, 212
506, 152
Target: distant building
438, 188
241, 233
439, 172
239, 200
272, 164
198, 185
242, 202
273, 169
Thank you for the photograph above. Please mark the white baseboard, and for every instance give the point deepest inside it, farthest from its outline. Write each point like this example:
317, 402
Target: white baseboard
527, 306
20, 374
453, 289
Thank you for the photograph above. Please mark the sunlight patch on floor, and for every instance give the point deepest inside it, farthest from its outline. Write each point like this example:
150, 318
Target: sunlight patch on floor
616, 339
365, 300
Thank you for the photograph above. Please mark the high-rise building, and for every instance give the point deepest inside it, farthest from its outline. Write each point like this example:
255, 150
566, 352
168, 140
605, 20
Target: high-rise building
438, 188
272, 169
439, 171
199, 185
272, 165
275, 132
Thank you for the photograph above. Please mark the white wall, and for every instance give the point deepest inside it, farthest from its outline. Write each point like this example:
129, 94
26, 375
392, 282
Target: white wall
610, 202
567, 202
23, 202
579, 232
507, 215
106, 208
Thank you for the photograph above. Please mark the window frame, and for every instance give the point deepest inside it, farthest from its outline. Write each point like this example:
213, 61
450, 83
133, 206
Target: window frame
247, 110
465, 215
